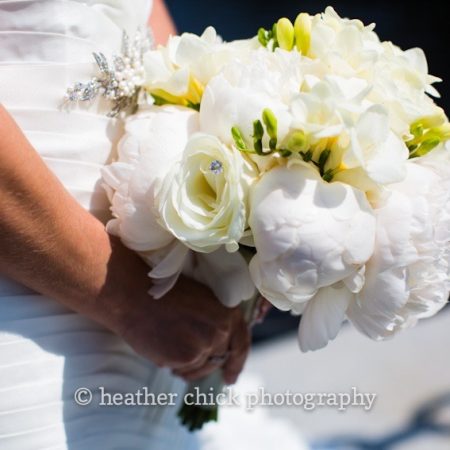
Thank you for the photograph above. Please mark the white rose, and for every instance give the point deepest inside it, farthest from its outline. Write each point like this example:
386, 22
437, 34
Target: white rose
202, 201
153, 140
308, 234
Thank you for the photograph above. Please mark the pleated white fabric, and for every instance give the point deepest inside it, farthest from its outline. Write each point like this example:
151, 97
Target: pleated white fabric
47, 352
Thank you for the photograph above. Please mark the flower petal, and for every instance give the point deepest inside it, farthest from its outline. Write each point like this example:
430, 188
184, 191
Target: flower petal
226, 274
323, 317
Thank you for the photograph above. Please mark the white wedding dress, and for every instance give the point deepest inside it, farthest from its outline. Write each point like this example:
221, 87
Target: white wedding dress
47, 352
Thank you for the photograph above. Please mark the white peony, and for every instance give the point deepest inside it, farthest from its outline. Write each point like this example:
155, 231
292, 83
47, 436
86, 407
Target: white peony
308, 234
153, 141
408, 276
203, 198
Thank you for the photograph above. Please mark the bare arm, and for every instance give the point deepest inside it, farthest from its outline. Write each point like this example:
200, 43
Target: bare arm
161, 22
48, 241
51, 244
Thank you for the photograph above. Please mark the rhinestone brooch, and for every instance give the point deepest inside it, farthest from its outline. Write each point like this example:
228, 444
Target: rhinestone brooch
119, 81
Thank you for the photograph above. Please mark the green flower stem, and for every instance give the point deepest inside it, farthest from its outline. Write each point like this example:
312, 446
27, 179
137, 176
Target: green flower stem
194, 416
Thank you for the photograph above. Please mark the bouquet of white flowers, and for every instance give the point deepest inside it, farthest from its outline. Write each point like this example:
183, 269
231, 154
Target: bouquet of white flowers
308, 164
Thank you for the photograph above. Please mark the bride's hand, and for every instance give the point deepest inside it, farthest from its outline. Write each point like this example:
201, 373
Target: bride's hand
189, 331
49, 243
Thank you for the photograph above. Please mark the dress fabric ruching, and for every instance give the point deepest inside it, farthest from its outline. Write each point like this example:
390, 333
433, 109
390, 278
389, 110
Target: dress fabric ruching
47, 351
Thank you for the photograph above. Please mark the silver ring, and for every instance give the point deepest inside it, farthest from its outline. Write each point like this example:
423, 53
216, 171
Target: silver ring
218, 359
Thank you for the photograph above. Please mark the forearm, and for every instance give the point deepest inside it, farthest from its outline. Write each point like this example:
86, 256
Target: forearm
47, 240
161, 22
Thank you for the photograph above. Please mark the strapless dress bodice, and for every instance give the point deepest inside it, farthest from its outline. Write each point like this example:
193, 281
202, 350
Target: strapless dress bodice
45, 47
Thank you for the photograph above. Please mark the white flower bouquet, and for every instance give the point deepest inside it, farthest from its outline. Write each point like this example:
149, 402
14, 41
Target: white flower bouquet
308, 164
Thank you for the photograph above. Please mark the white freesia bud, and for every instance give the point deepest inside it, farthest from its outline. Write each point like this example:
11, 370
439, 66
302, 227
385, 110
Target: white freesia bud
308, 234
153, 140
407, 278
202, 201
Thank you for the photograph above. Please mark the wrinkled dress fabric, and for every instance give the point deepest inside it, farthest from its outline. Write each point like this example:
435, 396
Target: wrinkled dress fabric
47, 351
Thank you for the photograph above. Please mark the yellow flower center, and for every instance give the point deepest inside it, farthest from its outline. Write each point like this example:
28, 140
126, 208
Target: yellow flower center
190, 99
